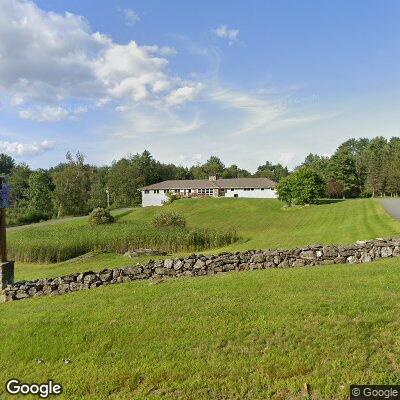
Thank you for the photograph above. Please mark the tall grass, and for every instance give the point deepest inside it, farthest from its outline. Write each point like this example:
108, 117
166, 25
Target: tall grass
62, 242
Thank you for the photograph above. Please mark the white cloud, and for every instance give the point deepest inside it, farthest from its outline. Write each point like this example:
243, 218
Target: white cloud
141, 120
51, 59
183, 94
224, 33
165, 51
287, 157
259, 114
131, 18
25, 149
190, 159
51, 113
256, 112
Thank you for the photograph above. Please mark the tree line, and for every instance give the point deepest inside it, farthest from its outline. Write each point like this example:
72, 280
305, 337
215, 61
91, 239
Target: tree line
75, 187
358, 168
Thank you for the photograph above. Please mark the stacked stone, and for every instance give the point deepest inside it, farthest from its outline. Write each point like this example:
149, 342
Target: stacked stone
197, 265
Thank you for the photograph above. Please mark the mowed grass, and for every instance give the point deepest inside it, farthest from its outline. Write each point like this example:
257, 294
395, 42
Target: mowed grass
267, 224
248, 335
258, 223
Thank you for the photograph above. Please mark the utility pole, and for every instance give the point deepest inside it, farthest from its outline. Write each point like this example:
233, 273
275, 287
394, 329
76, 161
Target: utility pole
108, 198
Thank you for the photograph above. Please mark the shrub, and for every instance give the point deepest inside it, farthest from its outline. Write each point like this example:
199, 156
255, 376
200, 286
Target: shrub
171, 197
169, 219
24, 215
304, 186
100, 216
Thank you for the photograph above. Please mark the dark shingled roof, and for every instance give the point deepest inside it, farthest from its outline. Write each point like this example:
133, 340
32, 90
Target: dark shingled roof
235, 183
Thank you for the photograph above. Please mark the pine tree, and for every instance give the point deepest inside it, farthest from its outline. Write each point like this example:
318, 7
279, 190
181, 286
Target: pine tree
376, 159
342, 168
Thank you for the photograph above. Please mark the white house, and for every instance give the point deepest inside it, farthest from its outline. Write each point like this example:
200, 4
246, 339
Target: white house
257, 188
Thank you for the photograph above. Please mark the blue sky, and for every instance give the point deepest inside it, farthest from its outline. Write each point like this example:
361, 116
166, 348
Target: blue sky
249, 81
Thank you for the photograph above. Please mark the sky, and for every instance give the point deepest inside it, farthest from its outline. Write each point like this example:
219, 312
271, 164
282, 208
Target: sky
249, 81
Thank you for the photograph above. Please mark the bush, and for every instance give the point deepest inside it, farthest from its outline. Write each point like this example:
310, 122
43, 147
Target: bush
23, 215
171, 197
169, 219
100, 216
304, 186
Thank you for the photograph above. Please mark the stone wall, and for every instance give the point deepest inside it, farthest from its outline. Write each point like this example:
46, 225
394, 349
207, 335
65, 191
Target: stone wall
197, 265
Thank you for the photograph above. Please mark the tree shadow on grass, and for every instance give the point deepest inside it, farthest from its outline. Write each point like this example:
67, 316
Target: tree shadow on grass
330, 201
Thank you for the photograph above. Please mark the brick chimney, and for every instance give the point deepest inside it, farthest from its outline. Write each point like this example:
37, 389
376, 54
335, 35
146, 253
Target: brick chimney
213, 177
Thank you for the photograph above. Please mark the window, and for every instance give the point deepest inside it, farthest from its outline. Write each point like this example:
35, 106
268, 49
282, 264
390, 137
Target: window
262, 188
176, 190
166, 191
235, 195
252, 189
147, 191
189, 190
156, 191
232, 190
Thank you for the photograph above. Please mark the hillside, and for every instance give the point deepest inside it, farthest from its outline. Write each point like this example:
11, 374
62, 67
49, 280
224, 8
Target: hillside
267, 224
254, 335
258, 223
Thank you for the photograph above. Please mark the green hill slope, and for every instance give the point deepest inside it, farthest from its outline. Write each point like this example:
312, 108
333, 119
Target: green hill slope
253, 335
266, 224
259, 224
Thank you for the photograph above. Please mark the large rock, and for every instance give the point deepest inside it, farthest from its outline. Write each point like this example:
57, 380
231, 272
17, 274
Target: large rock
386, 252
168, 263
199, 264
308, 255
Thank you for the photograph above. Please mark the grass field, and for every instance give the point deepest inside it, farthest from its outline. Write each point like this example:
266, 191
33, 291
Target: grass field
248, 335
259, 224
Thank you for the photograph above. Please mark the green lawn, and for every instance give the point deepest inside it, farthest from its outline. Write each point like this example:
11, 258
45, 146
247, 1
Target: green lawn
266, 224
249, 335
259, 223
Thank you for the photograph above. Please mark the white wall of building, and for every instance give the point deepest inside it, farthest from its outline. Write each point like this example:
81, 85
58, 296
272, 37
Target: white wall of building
153, 199
252, 194
157, 199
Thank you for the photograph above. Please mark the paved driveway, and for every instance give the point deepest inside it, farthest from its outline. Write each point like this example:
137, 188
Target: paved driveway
392, 206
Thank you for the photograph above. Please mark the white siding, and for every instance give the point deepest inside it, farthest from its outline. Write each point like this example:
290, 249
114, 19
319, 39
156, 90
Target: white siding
252, 194
153, 199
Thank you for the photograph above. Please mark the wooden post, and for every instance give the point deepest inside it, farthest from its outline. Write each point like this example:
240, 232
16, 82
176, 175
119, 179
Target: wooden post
3, 238
6, 267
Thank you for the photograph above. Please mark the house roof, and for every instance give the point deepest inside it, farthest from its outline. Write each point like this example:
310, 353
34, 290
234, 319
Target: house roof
235, 183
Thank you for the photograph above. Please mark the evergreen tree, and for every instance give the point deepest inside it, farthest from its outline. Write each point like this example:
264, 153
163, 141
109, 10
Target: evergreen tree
342, 168
234, 172
375, 156
275, 172
392, 167
7, 163
319, 164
